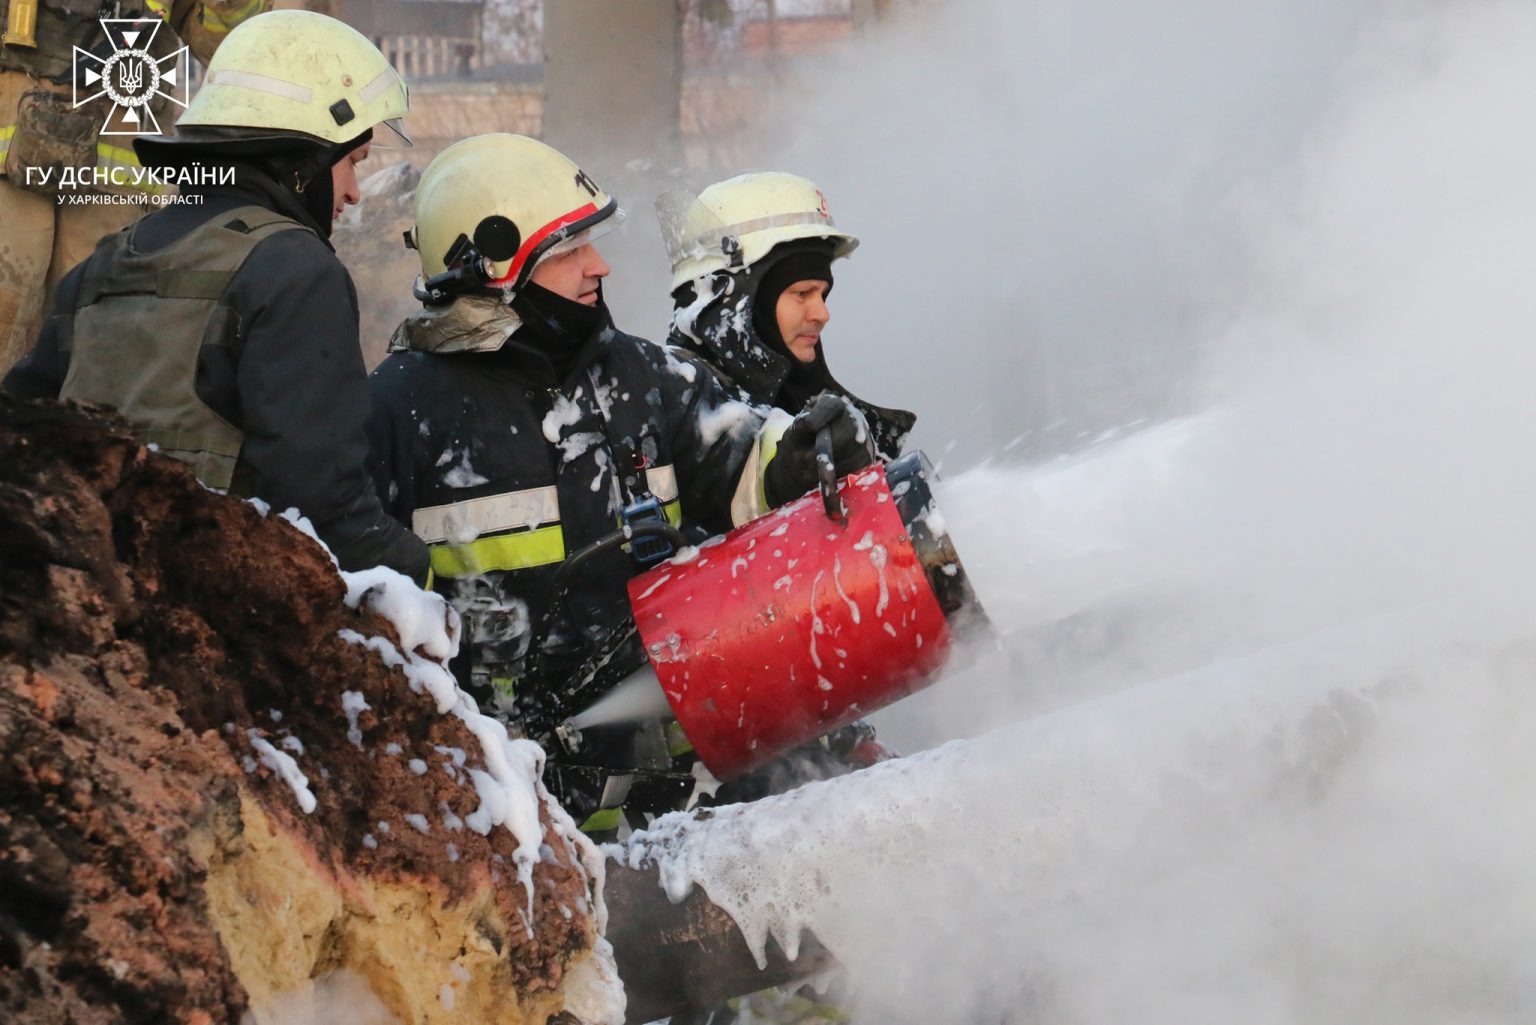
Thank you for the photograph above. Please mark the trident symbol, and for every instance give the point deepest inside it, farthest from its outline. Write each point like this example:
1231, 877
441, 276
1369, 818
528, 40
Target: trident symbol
130, 79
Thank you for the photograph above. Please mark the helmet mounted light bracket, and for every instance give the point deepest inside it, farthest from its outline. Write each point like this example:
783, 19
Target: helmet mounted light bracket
730, 246
470, 263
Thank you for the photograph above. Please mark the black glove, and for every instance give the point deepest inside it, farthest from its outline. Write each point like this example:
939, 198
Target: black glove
792, 470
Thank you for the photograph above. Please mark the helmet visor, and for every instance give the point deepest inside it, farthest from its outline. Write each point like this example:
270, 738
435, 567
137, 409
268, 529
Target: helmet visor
396, 138
586, 236
691, 232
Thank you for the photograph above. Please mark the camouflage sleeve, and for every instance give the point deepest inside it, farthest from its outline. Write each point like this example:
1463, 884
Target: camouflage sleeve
203, 24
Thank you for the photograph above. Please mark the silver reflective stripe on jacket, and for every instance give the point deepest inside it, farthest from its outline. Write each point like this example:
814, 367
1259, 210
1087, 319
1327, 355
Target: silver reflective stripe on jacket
462, 522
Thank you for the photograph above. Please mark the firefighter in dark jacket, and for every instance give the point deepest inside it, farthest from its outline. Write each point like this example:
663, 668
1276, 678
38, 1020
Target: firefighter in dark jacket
224, 328
751, 272
514, 425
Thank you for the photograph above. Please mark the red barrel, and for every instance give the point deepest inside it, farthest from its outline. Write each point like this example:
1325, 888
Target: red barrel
795, 623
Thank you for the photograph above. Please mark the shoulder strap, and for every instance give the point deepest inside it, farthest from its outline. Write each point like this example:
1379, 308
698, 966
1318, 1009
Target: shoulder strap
261, 223
180, 270
628, 472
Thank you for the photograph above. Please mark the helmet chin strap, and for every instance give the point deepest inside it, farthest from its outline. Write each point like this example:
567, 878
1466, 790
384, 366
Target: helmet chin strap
309, 179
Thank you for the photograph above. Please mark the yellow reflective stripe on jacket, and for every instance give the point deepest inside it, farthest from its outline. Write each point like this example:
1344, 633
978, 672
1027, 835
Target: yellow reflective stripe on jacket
603, 820
750, 499
523, 550
5, 139
160, 7
677, 741
219, 23
513, 510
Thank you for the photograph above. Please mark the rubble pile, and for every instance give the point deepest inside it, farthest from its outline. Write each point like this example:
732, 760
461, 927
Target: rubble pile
369, 238
210, 801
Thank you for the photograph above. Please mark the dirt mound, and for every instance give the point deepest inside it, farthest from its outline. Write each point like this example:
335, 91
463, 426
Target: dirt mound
167, 655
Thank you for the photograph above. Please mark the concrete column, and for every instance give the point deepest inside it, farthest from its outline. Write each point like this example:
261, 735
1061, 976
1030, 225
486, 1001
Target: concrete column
612, 75
612, 79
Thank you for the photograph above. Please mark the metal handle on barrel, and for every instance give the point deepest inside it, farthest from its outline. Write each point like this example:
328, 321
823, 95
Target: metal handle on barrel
826, 473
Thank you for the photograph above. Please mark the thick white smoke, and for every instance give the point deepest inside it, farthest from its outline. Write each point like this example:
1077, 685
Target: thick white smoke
1042, 189
1283, 640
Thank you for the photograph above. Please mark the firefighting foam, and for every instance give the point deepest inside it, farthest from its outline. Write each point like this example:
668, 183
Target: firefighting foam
1269, 664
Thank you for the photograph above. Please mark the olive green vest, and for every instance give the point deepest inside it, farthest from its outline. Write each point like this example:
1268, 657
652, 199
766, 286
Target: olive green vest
142, 318
63, 25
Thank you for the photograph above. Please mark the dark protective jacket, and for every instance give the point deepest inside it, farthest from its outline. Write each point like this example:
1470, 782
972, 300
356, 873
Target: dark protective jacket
506, 461
284, 369
507, 454
719, 328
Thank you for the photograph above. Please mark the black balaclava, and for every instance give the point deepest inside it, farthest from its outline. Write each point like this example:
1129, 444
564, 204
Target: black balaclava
557, 328
810, 260
736, 328
806, 260
300, 165
306, 174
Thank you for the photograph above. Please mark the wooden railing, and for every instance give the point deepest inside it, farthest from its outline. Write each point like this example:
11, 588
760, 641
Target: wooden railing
419, 57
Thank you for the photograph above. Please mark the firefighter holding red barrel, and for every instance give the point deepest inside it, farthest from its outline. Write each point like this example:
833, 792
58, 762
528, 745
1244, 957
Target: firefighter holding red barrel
515, 429
751, 261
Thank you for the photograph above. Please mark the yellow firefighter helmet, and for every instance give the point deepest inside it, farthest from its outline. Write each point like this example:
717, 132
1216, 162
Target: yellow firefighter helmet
298, 71
495, 205
734, 223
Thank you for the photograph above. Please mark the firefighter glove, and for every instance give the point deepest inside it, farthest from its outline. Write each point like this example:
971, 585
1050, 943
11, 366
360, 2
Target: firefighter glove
792, 470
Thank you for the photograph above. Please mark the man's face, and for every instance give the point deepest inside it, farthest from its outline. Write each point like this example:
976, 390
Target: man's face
574, 275
802, 313
344, 189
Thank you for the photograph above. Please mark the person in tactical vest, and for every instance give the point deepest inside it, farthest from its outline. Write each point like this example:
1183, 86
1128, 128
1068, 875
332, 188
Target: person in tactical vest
223, 326
514, 426
52, 224
751, 272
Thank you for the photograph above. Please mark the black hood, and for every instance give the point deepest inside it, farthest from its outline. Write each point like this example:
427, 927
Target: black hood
720, 328
558, 336
295, 164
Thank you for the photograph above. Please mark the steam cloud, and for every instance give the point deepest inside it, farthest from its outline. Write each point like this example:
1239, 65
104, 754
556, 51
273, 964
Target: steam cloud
1274, 628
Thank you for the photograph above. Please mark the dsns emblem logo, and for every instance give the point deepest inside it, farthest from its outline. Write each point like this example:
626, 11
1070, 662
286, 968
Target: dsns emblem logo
129, 77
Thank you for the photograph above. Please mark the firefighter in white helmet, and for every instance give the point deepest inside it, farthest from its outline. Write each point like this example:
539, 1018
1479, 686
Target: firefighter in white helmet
48, 49
751, 274
514, 425
224, 327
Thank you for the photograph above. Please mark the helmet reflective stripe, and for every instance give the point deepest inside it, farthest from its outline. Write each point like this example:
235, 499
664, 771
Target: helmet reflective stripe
301, 72
734, 223
262, 83
380, 84
712, 240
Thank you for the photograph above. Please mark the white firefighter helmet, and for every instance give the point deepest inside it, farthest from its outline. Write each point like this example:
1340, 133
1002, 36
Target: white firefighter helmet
734, 223
509, 201
298, 71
